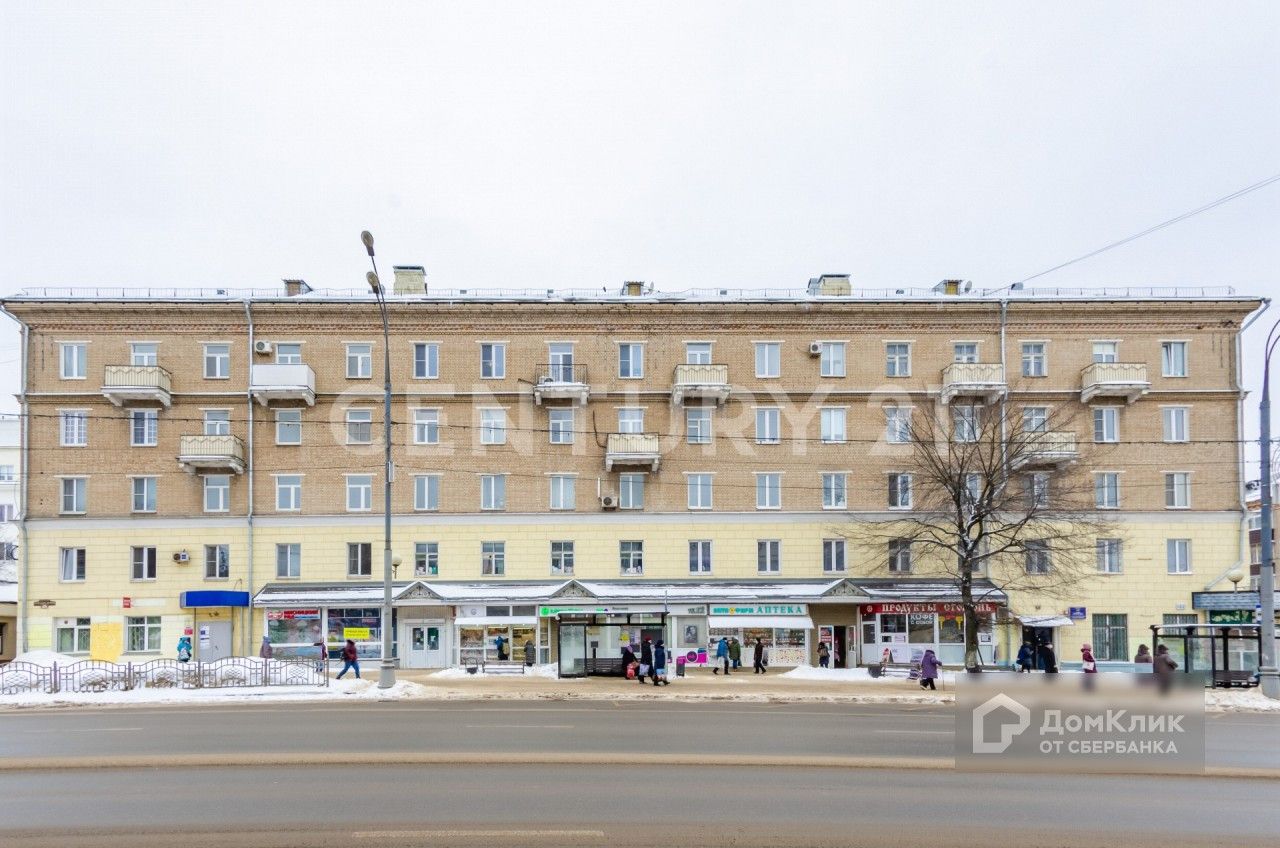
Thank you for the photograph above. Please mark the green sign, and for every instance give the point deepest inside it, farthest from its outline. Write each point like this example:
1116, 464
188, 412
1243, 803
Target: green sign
762, 609
1231, 616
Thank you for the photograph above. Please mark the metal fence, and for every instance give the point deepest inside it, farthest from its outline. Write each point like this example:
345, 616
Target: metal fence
97, 676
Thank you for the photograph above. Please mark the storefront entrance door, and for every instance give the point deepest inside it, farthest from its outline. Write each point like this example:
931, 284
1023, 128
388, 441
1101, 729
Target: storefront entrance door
425, 641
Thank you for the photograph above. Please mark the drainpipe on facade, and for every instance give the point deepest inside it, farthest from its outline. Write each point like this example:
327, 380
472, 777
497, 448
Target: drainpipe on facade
247, 634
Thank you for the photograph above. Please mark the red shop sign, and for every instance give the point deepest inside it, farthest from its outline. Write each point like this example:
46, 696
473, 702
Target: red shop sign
872, 609
289, 615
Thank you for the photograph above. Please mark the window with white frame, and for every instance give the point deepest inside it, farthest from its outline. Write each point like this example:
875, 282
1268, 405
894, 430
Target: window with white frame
359, 492
359, 559
835, 493
493, 426
359, 361
699, 490
217, 422
897, 359
1037, 556
493, 491
1108, 553
897, 425
73, 635
631, 557
768, 556
426, 559
1035, 360
631, 491
1178, 556
1174, 420
899, 556
426, 426
768, 425
833, 556
288, 426
426, 361
493, 361
1037, 489
697, 424
1035, 419
964, 420
563, 491
144, 354
768, 359
288, 353
74, 495
1177, 490
630, 360
1106, 424
217, 492
72, 564
899, 491
697, 353
142, 634
142, 562
562, 558
964, 352
560, 426
700, 556
217, 562
631, 420
73, 426
288, 560
1105, 352
217, 361
75, 361
144, 428
831, 360
833, 425
359, 426
143, 494
769, 490
1106, 490
8, 474
426, 492
493, 559
1173, 359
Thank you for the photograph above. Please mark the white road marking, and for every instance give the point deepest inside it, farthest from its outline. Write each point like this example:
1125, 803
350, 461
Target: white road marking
479, 834
538, 726
914, 732
86, 730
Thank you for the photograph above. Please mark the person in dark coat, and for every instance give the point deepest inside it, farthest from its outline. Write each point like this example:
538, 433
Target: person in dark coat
1026, 658
824, 655
1144, 656
1164, 666
646, 660
929, 666
1049, 658
759, 656
628, 660
660, 665
529, 654
350, 659
735, 653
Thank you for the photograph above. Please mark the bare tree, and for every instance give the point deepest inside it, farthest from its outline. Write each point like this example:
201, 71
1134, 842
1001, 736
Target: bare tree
991, 498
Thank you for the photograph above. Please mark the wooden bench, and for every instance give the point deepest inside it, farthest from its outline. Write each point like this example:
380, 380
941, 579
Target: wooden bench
503, 667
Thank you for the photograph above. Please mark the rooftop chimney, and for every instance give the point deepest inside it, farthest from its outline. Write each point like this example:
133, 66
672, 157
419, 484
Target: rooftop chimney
293, 288
830, 285
410, 279
633, 288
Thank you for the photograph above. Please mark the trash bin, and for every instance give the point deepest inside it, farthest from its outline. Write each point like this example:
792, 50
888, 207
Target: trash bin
679, 666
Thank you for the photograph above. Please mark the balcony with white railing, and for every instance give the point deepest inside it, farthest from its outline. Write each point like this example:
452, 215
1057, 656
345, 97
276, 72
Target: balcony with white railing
274, 383
704, 381
211, 454
632, 450
561, 381
1048, 449
125, 384
1126, 380
973, 379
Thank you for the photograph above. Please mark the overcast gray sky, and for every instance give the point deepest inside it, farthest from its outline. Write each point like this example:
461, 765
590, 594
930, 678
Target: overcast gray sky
561, 144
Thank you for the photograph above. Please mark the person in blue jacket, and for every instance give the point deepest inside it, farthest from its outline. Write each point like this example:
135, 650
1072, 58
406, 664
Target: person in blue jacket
660, 665
722, 655
184, 649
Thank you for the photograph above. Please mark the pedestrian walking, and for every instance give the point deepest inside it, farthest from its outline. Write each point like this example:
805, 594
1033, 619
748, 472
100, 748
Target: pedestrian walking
1164, 666
824, 655
1049, 658
760, 658
1143, 656
350, 659
1088, 663
646, 659
184, 649
500, 643
735, 653
629, 664
265, 650
528, 652
929, 666
1026, 658
660, 665
722, 656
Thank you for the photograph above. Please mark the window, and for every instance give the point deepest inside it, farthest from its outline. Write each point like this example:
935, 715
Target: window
630, 420
769, 490
1035, 419
74, 495
288, 426
1175, 423
142, 634
426, 426
359, 426
768, 425
73, 636
289, 560
493, 558
142, 562
1177, 490
144, 494
700, 556
833, 421
289, 492
563, 495
217, 492
560, 368
699, 491
1037, 556
1176, 619
493, 491
359, 559
899, 556
631, 557
1178, 556
1106, 490
1106, 424
288, 353
697, 353
359, 492
831, 362
834, 490
493, 426
897, 359
560, 426
75, 360
897, 425
144, 425
833, 551
1034, 360
217, 422
71, 565
426, 361
631, 360
144, 354
74, 427
1037, 489
964, 352
1108, 553
217, 361
768, 556
359, 361
426, 559
1173, 359
1111, 637
562, 558
964, 418
426, 492
899, 491
217, 562
631, 491
697, 422
973, 490
1105, 352
768, 359
493, 361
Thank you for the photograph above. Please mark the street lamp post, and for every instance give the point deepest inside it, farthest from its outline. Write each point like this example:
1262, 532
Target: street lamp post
1268, 675
387, 669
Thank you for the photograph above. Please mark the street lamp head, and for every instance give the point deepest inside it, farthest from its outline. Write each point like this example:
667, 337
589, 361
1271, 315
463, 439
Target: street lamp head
374, 282
367, 238
1235, 575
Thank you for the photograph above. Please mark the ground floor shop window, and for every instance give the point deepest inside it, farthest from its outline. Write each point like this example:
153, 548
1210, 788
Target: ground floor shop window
294, 633
904, 636
1111, 637
142, 634
73, 636
362, 625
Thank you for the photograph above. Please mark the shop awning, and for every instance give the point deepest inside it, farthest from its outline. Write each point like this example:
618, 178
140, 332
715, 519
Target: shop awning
496, 621
1046, 621
793, 622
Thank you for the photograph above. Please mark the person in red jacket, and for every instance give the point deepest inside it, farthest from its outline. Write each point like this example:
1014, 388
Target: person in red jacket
350, 659
1086, 655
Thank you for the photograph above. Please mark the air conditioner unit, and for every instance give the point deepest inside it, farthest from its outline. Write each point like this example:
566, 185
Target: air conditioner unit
608, 501
262, 348
815, 348
182, 556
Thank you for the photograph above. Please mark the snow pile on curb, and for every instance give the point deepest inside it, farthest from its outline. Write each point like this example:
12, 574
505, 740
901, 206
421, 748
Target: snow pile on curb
851, 675
47, 658
1239, 700
547, 671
